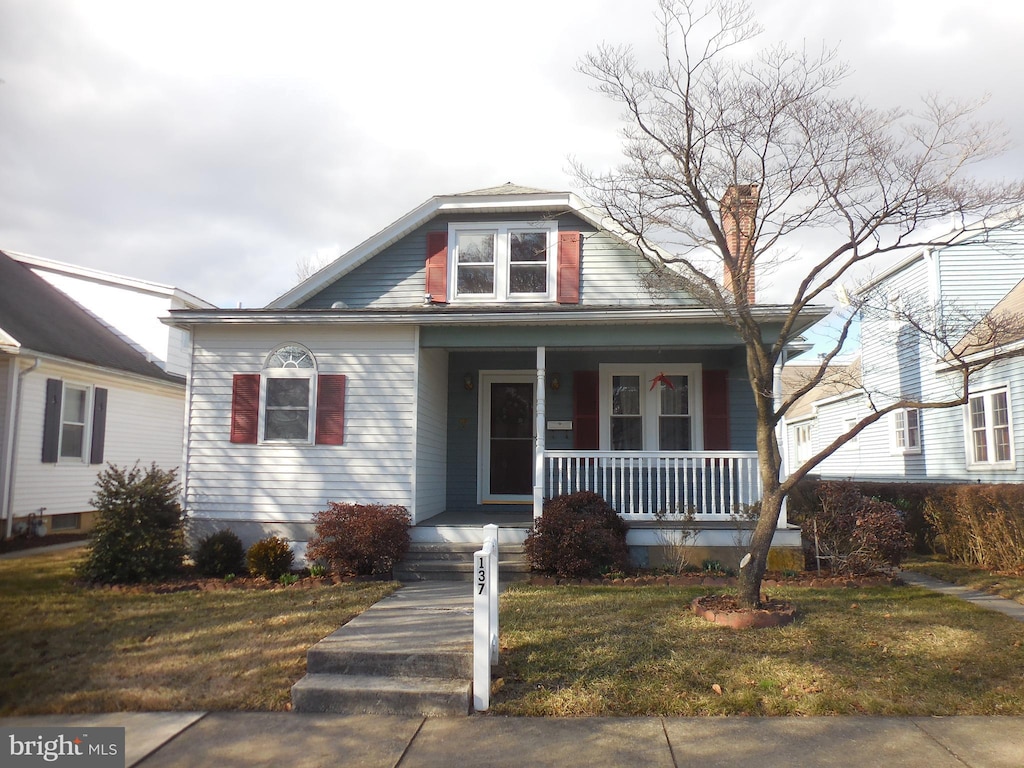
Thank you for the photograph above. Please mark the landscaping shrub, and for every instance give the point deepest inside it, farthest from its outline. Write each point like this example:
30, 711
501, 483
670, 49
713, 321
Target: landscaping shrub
270, 558
219, 554
856, 534
360, 539
139, 533
979, 524
578, 536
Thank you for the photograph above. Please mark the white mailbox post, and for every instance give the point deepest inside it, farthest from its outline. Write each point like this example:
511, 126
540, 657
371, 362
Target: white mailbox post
485, 617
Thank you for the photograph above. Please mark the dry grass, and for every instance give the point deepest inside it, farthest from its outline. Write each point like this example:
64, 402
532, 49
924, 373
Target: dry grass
65, 649
1009, 585
575, 651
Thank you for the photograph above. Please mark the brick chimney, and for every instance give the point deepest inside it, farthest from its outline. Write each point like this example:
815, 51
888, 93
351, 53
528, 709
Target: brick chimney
738, 209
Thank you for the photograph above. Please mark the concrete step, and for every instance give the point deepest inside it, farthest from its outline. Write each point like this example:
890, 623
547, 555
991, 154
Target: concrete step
370, 694
337, 659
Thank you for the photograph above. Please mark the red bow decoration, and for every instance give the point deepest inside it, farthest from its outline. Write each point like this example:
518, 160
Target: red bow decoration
661, 378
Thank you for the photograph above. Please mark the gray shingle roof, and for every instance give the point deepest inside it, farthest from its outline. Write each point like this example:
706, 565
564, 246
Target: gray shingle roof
43, 319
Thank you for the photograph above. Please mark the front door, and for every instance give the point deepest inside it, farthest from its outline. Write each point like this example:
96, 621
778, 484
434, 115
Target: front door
507, 436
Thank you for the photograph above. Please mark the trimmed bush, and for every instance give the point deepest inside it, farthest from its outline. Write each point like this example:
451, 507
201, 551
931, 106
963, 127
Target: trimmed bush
360, 539
270, 558
980, 525
578, 536
219, 554
140, 532
856, 534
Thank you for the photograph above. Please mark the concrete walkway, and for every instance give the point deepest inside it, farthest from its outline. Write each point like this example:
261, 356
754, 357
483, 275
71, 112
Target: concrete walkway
981, 599
245, 739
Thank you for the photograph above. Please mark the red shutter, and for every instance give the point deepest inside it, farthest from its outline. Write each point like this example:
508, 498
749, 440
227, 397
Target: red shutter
330, 409
568, 267
585, 418
437, 266
715, 385
245, 407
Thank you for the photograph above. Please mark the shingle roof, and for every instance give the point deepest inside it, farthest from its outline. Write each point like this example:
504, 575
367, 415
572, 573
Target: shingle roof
40, 318
839, 380
508, 188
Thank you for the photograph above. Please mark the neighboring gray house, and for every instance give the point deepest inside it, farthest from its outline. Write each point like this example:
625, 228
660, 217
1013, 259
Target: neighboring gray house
979, 275
483, 352
74, 395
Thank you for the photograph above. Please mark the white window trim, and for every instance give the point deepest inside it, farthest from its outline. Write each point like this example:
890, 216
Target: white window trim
894, 447
803, 449
502, 256
288, 373
991, 464
848, 424
649, 403
87, 423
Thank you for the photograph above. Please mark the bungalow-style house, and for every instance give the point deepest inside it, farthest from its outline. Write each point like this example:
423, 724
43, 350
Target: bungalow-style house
980, 275
484, 352
76, 393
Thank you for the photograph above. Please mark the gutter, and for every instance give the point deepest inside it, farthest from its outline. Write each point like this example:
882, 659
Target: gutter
14, 416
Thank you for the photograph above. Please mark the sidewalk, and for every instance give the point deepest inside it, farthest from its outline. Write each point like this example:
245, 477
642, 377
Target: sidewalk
246, 739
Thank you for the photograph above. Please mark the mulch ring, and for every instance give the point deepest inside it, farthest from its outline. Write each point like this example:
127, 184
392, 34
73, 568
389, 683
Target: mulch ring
726, 611
806, 579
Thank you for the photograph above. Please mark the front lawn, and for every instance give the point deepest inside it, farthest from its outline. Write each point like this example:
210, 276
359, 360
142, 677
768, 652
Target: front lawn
67, 649
575, 651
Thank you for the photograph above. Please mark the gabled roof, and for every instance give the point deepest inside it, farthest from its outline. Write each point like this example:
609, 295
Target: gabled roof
840, 380
506, 198
37, 318
1002, 326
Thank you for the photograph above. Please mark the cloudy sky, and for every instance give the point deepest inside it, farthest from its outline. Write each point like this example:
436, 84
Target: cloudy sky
216, 145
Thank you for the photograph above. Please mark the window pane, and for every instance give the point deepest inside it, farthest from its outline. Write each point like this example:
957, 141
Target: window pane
528, 279
74, 405
476, 248
980, 447
977, 413
674, 433
72, 438
529, 246
287, 393
675, 398
626, 395
1000, 414
1001, 436
476, 279
627, 433
286, 425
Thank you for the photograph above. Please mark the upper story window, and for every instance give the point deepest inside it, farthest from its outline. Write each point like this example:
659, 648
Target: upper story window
989, 432
287, 395
504, 261
905, 432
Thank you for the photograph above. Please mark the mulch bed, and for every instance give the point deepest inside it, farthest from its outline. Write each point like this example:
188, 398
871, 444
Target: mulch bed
210, 584
806, 579
726, 611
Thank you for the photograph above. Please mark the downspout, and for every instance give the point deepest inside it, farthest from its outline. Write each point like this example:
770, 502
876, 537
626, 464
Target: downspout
538, 455
14, 416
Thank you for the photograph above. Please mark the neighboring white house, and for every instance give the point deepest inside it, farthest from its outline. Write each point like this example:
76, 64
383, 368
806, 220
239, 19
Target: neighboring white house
485, 351
978, 276
75, 395
130, 307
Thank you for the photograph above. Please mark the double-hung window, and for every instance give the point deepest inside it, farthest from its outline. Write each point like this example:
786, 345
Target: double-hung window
74, 422
802, 438
905, 432
504, 261
288, 392
650, 409
989, 432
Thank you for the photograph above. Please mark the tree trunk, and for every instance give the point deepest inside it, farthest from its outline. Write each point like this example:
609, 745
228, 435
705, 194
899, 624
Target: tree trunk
752, 574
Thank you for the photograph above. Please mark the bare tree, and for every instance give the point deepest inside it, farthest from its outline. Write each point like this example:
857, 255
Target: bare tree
733, 160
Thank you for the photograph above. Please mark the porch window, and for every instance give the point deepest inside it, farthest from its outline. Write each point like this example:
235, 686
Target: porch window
905, 431
503, 261
650, 409
989, 430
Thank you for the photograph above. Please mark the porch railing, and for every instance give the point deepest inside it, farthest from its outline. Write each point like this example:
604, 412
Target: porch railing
643, 485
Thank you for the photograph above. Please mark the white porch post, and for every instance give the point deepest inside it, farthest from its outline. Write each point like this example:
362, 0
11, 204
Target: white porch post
538, 454
780, 433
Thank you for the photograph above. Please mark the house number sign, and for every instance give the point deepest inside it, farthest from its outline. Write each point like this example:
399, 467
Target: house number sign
481, 575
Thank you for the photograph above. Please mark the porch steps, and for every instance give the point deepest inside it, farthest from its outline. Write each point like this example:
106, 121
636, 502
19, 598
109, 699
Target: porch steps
453, 561
410, 654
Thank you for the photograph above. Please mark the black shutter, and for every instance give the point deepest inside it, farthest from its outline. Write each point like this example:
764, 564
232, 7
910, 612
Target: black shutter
99, 425
51, 420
